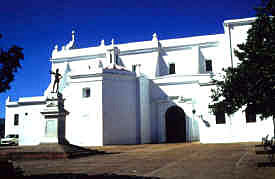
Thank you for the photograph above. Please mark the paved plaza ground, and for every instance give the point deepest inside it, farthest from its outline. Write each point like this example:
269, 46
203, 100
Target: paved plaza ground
180, 160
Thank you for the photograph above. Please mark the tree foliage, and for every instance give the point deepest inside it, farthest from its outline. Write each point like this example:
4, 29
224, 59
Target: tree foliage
252, 82
9, 64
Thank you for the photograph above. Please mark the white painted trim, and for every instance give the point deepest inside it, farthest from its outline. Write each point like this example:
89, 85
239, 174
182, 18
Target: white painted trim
245, 21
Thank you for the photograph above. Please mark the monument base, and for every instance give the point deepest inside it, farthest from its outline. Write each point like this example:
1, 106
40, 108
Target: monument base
46, 140
54, 119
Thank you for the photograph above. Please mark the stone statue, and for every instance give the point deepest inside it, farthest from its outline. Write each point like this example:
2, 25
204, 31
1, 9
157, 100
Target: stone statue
56, 80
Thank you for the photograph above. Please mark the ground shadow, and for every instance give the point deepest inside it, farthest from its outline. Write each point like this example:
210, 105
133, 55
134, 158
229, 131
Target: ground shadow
74, 151
7, 170
8, 147
85, 176
50, 152
266, 164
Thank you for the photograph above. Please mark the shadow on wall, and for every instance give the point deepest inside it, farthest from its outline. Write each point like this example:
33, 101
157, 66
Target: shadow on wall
206, 123
120, 62
2, 127
201, 63
266, 164
162, 68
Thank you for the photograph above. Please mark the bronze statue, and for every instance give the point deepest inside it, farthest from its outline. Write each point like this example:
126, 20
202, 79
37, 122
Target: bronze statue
56, 79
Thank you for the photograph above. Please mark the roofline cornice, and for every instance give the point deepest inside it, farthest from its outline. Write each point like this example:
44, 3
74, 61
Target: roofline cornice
246, 21
77, 58
136, 51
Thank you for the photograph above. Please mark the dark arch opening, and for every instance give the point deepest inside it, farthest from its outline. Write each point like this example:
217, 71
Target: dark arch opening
175, 125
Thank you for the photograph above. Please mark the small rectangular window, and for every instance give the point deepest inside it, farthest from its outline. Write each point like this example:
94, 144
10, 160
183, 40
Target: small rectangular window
86, 92
134, 68
208, 65
116, 59
220, 117
111, 58
16, 119
172, 68
250, 114
220, 114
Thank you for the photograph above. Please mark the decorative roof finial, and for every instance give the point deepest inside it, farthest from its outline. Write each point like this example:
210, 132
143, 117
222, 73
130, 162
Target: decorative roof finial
8, 99
71, 44
73, 34
55, 50
155, 37
102, 43
113, 41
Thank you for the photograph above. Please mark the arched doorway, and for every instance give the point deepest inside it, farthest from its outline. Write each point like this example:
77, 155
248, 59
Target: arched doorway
175, 125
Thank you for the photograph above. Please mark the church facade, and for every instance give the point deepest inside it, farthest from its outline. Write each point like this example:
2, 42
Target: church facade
141, 92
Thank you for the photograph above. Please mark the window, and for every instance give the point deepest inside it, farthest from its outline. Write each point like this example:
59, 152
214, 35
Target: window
250, 114
12, 136
86, 92
16, 119
111, 58
220, 115
208, 65
134, 68
116, 59
100, 65
172, 67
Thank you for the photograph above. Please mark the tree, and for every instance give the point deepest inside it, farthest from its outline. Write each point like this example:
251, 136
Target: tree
9, 64
252, 83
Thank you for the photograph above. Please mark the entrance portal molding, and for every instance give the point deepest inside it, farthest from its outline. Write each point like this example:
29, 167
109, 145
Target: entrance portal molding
186, 103
162, 107
175, 121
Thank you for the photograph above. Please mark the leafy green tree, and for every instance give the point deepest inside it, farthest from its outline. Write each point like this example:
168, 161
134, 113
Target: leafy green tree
252, 83
9, 64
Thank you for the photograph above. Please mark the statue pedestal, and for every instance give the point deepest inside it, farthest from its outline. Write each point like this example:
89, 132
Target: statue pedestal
54, 119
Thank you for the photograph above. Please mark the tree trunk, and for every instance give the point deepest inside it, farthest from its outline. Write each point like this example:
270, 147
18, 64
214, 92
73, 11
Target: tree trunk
273, 117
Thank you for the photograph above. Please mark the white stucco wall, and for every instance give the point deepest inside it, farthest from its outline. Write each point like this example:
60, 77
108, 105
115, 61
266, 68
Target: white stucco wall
186, 60
84, 122
235, 33
235, 129
30, 127
238, 36
147, 67
119, 92
123, 109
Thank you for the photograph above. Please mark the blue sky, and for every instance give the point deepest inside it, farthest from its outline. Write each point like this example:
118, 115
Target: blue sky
37, 26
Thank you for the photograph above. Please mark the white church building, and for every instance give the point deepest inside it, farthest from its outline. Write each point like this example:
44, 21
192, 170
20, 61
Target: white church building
152, 91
